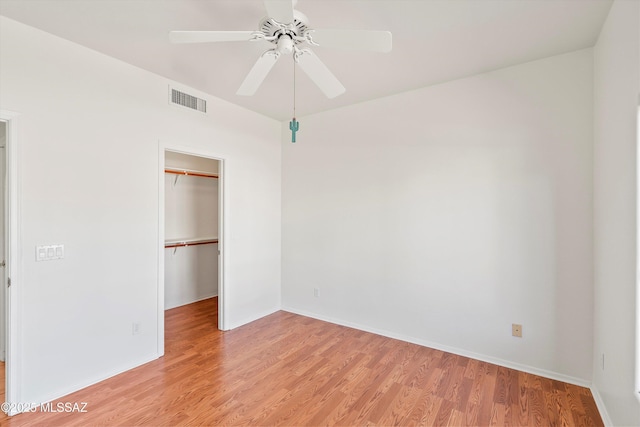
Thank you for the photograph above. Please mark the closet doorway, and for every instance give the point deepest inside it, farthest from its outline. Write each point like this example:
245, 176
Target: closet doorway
4, 331
192, 228
3, 290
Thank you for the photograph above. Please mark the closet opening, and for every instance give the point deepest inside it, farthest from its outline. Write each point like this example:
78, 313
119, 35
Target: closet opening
192, 232
4, 332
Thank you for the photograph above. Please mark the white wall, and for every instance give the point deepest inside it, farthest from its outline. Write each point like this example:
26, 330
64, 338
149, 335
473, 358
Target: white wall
616, 90
190, 274
444, 215
191, 207
89, 179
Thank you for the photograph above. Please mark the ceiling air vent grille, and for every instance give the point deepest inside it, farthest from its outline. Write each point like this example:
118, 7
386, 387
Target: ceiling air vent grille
189, 101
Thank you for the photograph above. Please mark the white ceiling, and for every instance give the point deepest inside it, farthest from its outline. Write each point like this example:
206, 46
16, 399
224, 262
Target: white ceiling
433, 41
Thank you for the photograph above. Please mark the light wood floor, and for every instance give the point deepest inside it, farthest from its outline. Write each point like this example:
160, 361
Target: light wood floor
286, 369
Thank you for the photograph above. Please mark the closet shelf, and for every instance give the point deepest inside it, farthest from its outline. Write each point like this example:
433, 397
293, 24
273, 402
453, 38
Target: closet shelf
189, 172
188, 242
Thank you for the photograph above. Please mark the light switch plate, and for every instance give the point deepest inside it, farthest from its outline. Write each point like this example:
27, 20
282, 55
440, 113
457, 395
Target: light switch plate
49, 252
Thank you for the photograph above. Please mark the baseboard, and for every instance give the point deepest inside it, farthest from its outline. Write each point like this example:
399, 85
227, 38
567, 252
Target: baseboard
79, 386
253, 318
460, 352
606, 419
200, 298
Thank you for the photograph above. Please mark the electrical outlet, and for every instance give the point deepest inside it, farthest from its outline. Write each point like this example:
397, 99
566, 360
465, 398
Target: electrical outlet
516, 330
135, 328
316, 292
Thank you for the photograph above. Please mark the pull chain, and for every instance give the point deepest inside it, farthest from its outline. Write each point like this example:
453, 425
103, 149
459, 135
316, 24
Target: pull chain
294, 125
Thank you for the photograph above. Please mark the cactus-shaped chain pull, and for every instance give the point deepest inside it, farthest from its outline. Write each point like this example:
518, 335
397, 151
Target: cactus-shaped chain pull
294, 125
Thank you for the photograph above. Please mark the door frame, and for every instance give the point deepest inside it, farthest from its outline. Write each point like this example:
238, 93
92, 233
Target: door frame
191, 151
13, 267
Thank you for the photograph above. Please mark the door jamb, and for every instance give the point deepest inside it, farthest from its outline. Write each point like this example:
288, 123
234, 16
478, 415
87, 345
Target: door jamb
12, 271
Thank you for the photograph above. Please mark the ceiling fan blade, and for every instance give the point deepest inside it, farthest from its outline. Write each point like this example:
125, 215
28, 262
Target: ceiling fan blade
258, 73
373, 41
320, 74
209, 36
280, 10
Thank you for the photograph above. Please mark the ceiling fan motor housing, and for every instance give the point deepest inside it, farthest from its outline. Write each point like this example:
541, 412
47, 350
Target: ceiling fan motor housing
285, 36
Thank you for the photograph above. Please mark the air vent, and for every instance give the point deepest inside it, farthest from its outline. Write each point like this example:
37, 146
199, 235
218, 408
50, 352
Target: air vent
189, 101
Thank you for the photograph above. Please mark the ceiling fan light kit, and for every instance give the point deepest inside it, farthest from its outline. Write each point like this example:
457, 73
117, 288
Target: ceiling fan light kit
287, 29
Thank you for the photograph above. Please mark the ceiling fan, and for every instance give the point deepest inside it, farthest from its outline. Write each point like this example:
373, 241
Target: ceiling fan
286, 29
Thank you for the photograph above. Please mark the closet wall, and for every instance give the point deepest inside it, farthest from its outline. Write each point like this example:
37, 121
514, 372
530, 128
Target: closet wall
191, 229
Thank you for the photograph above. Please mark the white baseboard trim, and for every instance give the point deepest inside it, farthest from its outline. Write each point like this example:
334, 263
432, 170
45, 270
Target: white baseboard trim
59, 394
606, 419
253, 318
460, 352
200, 298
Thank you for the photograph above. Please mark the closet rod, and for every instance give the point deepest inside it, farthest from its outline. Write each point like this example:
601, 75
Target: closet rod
193, 243
191, 173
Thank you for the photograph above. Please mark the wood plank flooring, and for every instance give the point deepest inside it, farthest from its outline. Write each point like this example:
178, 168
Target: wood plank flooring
287, 369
